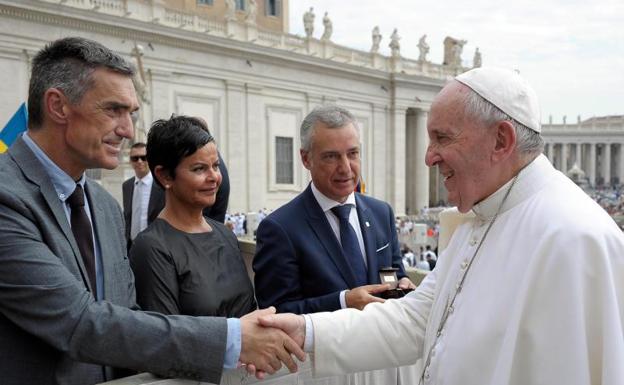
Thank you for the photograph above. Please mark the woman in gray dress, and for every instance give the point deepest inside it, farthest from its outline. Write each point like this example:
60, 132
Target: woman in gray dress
184, 262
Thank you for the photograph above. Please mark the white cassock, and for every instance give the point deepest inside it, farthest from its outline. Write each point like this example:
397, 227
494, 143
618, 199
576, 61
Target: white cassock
543, 302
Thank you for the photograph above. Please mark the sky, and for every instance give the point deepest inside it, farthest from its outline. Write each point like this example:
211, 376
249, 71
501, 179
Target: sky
571, 51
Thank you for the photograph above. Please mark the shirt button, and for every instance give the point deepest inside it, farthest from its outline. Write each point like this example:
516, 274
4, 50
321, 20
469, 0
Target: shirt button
473, 242
439, 333
62, 196
458, 287
451, 309
427, 375
464, 264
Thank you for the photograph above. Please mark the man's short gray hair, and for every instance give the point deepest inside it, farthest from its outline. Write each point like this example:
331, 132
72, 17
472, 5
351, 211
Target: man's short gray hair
330, 115
528, 142
67, 64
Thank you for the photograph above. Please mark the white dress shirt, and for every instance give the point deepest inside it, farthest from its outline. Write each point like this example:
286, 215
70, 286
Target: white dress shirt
141, 197
326, 205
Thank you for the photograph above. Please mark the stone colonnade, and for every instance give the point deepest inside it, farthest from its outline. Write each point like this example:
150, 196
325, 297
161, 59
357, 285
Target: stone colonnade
601, 161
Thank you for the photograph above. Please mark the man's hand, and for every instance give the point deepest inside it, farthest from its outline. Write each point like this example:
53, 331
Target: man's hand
291, 324
405, 283
267, 348
361, 296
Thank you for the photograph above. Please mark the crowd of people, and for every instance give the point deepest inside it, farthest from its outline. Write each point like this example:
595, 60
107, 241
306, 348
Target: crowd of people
612, 200
91, 291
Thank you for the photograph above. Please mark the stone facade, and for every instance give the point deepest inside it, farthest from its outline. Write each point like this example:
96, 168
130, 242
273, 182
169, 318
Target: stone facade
252, 84
595, 146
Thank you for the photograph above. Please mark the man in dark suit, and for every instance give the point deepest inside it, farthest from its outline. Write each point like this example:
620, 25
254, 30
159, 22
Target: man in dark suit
140, 194
323, 250
67, 301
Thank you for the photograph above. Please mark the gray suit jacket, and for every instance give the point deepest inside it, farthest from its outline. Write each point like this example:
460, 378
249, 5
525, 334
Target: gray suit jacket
52, 331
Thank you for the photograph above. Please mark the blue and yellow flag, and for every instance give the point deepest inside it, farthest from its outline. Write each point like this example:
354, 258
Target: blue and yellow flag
16, 125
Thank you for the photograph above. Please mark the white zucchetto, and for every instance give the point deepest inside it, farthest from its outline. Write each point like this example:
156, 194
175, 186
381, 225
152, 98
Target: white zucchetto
508, 91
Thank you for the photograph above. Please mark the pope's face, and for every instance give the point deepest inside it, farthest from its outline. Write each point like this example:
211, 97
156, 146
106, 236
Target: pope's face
460, 147
334, 160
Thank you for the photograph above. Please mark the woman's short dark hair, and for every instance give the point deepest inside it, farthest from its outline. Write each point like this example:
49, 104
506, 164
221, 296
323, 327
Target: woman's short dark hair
171, 140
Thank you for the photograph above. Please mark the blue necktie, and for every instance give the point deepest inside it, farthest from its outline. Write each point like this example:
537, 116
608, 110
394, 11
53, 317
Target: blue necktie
350, 245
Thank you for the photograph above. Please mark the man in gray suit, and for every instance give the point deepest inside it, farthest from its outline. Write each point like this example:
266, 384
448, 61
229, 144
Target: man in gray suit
67, 300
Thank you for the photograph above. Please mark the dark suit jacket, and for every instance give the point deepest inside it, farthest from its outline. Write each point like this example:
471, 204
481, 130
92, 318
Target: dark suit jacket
52, 331
156, 204
299, 265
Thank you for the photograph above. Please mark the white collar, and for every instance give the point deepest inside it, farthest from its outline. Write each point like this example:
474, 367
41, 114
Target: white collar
328, 203
530, 179
147, 179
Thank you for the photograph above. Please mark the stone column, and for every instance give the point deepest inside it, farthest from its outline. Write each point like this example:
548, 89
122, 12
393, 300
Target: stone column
256, 152
378, 181
421, 176
396, 169
234, 151
578, 160
591, 164
606, 164
621, 171
564, 157
550, 152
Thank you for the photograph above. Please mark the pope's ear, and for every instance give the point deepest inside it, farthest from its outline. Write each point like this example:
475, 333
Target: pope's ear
505, 140
56, 105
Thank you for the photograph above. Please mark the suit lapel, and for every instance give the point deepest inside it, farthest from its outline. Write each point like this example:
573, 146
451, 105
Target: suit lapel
368, 233
322, 229
34, 171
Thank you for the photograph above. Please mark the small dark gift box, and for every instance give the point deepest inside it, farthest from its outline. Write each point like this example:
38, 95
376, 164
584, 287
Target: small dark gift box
388, 275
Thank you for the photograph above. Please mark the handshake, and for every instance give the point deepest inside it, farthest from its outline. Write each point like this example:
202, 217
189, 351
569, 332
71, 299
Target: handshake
268, 340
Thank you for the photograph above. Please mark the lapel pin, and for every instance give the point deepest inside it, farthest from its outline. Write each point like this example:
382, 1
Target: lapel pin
367, 224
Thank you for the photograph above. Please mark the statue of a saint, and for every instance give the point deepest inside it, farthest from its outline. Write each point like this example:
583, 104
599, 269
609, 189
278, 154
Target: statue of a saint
308, 22
329, 28
376, 40
252, 11
230, 10
139, 78
140, 86
395, 47
452, 51
476, 60
423, 47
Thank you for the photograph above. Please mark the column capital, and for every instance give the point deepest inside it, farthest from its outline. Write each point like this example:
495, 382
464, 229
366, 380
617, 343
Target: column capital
234, 85
254, 89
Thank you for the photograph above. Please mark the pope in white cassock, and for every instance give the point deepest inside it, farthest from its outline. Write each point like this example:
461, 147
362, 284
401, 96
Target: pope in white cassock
530, 291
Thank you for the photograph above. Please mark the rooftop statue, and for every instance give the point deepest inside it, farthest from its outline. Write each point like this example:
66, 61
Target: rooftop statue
308, 22
329, 28
376, 40
394, 45
250, 18
477, 61
423, 47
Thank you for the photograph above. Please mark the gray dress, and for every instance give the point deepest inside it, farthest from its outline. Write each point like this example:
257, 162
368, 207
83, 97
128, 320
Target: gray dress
200, 274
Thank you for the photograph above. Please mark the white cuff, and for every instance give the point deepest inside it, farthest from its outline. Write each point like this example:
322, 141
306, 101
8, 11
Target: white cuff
343, 299
308, 344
